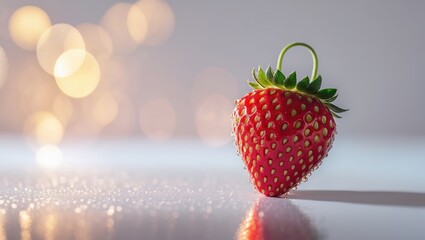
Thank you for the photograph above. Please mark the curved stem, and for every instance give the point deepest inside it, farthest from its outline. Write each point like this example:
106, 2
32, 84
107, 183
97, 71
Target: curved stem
313, 54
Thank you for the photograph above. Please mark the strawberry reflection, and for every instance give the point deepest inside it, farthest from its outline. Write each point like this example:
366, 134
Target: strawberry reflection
275, 218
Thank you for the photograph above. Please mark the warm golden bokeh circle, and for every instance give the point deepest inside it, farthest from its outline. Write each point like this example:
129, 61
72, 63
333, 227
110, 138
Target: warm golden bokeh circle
160, 21
26, 26
115, 21
54, 42
137, 24
43, 128
69, 62
83, 80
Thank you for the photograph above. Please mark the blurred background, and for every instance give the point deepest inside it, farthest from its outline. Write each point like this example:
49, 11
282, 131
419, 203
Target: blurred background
145, 89
163, 70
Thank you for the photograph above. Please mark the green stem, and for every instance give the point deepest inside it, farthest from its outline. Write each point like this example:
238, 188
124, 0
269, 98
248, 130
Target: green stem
313, 54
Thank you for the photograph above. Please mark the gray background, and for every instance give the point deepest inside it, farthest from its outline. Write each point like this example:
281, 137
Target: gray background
372, 51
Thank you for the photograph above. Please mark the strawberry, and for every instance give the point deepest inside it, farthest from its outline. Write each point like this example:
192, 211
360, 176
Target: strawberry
284, 129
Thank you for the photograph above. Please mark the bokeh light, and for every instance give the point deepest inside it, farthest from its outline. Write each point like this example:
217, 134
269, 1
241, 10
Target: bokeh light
49, 157
26, 26
92, 61
44, 128
160, 21
137, 24
4, 66
104, 110
49, 226
25, 224
213, 120
115, 22
81, 82
69, 62
2, 225
97, 40
158, 119
54, 42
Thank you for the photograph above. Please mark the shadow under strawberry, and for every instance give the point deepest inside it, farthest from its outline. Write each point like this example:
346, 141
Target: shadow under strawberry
276, 218
383, 198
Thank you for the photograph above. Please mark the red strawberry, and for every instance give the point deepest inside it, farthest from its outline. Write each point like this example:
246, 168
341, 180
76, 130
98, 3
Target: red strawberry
283, 129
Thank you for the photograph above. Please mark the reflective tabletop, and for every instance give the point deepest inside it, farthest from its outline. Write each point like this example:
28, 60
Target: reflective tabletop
133, 189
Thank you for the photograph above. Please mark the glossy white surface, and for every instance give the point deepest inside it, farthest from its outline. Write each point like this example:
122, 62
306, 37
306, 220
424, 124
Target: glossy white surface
368, 188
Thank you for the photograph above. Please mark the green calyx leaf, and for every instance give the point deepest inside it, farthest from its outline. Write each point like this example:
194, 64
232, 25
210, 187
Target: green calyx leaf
254, 85
269, 74
278, 78
335, 115
268, 79
291, 81
303, 85
262, 78
331, 99
334, 108
254, 75
315, 85
326, 93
